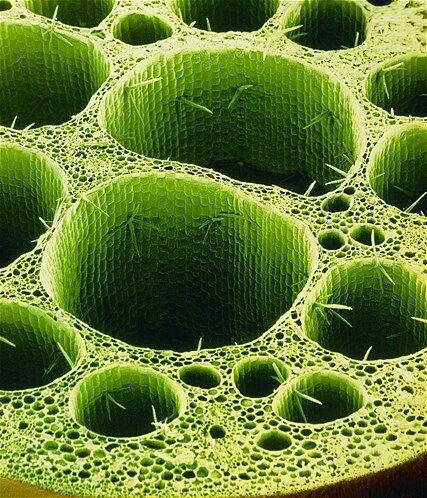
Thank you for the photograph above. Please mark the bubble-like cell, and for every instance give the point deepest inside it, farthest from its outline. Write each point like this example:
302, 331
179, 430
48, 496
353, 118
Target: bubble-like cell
274, 121
337, 203
327, 25
368, 309
126, 401
332, 239
141, 29
47, 76
398, 168
171, 261
273, 440
400, 85
319, 397
81, 13
259, 376
31, 186
225, 15
5, 5
200, 375
35, 349
365, 232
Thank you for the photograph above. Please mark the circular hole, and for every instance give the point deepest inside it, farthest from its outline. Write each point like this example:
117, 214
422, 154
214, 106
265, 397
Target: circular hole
140, 29
217, 432
400, 85
365, 309
380, 3
224, 110
398, 168
318, 398
225, 15
31, 186
5, 5
273, 440
259, 376
171, 261
34, 348
363, 234
126, 401
48, 76
331, 239
336, 203
81, 13
199, 375
331, 25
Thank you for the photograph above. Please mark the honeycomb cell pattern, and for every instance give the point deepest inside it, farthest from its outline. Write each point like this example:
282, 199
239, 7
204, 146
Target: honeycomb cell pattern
212, 245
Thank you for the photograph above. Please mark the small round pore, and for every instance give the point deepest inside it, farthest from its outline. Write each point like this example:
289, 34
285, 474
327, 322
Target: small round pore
256, 118
80, 13
273, 440
327, 25
367, 234
225, 15
47, 76
141, 29
318, 398
34, 348
331, 239
200, 375
369, 309
126, 401
31, 187
400, 86
170, 261
259, 376
398, 168
336, 203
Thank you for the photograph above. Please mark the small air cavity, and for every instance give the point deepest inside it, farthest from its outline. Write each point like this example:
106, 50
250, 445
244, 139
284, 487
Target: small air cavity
367, 234
225, 15
368, 309
259, 376
274, 441
141, 29
35, 349
31, 188
318, 398
398, 168
80, 13
332, 239
200, 375
126, 401
400, 86
326, 25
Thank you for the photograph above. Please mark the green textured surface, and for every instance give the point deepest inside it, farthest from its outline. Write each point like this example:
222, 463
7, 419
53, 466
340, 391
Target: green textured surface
212, 244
